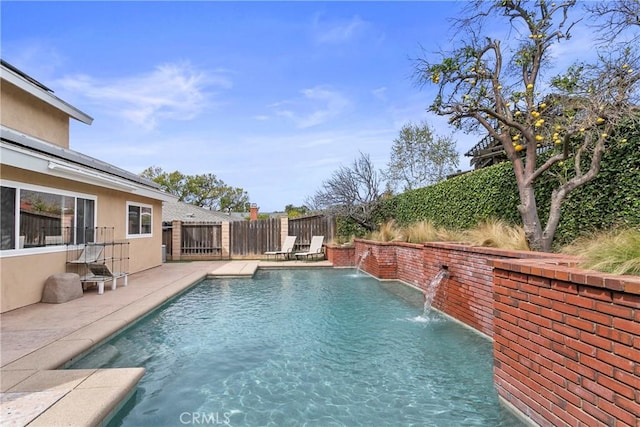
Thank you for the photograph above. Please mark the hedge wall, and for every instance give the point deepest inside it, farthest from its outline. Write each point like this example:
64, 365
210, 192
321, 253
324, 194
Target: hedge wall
613, 198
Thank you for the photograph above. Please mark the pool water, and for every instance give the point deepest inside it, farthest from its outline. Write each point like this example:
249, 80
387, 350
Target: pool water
314, 347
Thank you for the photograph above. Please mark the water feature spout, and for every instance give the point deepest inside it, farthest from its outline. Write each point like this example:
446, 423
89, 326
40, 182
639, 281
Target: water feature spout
363, 256
432, 288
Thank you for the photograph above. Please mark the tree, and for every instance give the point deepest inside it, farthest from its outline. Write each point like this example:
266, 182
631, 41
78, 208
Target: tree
484, 85
296, 211
352, 192
204, 190
419, 157
614, 17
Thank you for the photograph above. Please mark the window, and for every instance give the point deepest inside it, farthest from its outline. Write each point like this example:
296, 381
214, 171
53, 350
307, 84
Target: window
139, 220
34, 217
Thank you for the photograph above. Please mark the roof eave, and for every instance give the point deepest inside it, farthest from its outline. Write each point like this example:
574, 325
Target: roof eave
40, 163
46, 96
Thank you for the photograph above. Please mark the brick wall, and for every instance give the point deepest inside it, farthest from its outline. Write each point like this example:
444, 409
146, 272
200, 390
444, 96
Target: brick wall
467, 294
567, 344
380, 259
566, 340
340, 256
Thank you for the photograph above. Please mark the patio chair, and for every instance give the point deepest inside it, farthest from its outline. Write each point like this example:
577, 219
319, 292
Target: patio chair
287, 248
314, 249
90, 254
101, 273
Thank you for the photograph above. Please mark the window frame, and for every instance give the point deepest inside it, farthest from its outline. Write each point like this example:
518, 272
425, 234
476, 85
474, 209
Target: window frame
140, 234
19, 187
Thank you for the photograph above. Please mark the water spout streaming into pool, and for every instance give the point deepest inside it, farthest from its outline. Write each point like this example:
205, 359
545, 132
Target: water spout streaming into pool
363, 256
432, 289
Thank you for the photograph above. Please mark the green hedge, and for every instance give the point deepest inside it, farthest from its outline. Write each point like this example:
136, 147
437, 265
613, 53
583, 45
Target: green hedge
612, 199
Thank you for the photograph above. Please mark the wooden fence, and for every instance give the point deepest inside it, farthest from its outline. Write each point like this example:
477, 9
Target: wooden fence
202, 239
306, 227
247, 239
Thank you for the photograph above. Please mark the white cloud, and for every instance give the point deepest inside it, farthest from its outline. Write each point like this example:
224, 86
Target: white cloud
336, 32
316, 106
380, 93
169, 92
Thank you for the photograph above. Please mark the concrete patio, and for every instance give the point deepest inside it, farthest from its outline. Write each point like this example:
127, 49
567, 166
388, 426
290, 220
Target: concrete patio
38, 339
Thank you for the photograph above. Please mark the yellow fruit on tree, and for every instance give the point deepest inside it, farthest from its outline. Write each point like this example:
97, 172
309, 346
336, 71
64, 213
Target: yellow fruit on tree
599, 120
539, 138
518, 113
539, 123
519, 147
543, 105
530, 86
623, 140
625, 66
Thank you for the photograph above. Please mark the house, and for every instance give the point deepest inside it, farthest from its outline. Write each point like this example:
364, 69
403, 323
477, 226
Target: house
54, 198
185, 212
487, 152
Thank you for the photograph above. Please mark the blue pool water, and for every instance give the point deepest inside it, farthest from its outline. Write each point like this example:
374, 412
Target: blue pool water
304, 347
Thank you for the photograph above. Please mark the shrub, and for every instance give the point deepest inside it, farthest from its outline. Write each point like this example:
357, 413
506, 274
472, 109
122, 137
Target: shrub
616, 251
497, 234
388, 232
612, 199
425, 231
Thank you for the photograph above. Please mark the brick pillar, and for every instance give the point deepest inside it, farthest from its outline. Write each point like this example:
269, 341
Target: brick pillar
253, 212
284, 229
176, 240
225, 240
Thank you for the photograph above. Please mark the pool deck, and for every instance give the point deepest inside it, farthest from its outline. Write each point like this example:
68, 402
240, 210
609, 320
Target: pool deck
37, 340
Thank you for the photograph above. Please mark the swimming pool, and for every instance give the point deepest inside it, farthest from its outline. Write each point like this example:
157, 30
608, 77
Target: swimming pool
314, 347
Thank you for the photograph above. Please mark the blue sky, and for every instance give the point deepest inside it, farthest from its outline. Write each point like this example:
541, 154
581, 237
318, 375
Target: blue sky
269, 96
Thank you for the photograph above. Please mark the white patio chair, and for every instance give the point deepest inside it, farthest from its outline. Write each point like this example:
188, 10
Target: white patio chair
287, 248
315, 248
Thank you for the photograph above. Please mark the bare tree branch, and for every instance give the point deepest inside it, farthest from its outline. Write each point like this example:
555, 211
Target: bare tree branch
351, 192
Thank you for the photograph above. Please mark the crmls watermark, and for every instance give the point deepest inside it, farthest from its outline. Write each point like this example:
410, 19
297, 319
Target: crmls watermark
205, 418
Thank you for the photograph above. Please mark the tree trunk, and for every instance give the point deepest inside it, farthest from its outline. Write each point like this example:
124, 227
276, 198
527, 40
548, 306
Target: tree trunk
530, 220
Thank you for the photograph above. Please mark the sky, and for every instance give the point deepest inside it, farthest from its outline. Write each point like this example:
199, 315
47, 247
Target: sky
272, 97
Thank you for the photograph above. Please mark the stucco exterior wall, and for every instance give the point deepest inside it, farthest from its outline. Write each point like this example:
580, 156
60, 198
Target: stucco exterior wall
26, 113
22, 277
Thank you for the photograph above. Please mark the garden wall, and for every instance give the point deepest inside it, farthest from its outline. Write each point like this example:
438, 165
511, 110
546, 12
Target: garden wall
567, 343
566, 340
467, 294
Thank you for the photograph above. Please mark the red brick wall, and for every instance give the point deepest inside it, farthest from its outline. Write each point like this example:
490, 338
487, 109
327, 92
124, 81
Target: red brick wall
340, 256
466, 295
566, 340
567, 344
380, 259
